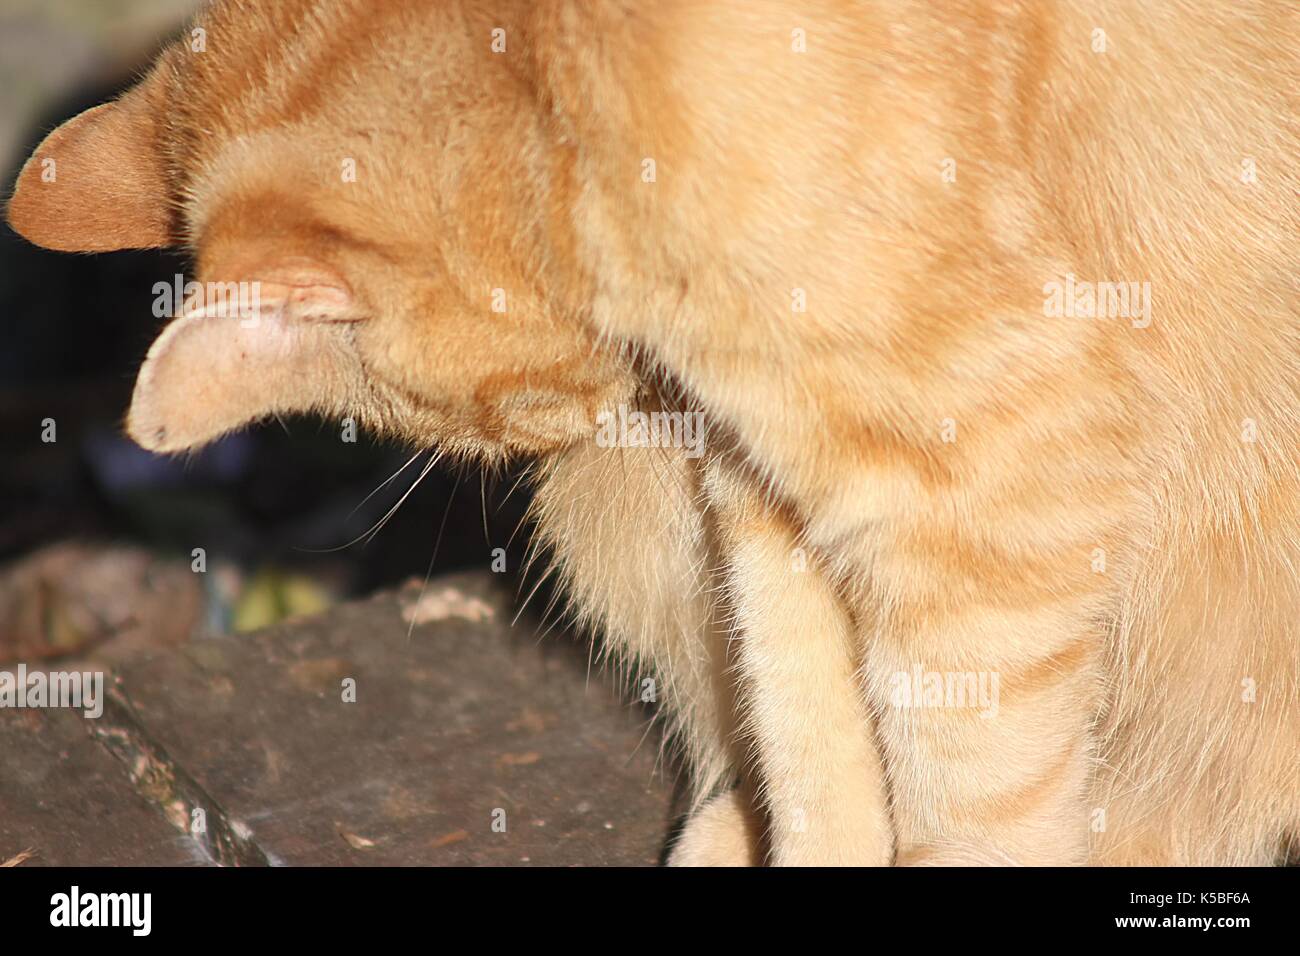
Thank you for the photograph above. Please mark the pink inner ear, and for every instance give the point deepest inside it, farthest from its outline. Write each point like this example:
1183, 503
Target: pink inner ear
297, 287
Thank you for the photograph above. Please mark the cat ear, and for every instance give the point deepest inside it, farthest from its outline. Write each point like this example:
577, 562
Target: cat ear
265, 346
98, 183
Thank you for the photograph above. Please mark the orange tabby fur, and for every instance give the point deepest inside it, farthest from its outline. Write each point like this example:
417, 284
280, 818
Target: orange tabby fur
924, 469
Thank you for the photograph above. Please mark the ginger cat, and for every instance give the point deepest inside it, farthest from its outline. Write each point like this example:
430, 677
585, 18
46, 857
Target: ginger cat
990, 309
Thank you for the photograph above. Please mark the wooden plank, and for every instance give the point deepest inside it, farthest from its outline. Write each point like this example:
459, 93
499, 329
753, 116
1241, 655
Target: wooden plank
459, 727
71, 803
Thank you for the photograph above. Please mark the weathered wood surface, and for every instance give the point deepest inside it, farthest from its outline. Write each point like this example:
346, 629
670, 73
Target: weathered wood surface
69, 801
457, 724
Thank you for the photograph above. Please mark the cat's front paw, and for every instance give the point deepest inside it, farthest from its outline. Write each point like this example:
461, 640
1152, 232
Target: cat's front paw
726, 831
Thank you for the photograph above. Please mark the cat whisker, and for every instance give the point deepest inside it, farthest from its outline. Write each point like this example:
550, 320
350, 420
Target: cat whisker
388, 481
437, 544
379, 525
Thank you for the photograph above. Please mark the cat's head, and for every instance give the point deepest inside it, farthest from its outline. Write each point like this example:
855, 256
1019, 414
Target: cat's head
374, 188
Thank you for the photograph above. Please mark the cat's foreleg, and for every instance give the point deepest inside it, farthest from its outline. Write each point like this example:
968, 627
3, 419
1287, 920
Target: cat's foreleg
798, 667
728, 830
626, 529
988, 682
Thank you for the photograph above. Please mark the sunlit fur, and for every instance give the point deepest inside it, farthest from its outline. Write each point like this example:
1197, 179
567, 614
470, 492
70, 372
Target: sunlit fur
841, 259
